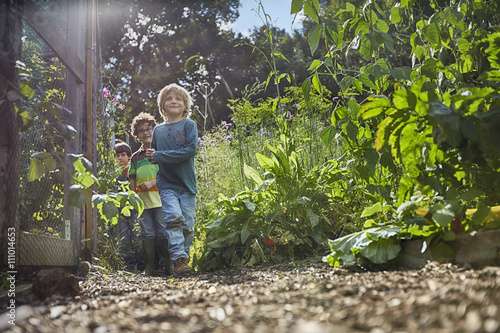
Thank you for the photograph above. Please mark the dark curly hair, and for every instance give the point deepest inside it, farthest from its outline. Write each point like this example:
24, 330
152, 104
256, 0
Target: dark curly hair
141, 118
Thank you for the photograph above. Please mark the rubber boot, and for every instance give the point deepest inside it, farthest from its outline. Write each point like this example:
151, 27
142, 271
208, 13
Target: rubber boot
148, 248
169, 266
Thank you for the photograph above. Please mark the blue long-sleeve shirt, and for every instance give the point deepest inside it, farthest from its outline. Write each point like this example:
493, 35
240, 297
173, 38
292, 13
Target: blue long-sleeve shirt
175, 146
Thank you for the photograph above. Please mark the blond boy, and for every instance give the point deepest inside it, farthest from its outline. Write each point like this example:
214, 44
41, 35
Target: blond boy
173, 148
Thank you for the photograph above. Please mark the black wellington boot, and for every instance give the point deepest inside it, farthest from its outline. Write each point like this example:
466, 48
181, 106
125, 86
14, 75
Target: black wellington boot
169, 266
148, 248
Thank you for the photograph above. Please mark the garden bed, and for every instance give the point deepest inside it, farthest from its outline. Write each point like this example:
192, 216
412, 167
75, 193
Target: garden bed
302, 297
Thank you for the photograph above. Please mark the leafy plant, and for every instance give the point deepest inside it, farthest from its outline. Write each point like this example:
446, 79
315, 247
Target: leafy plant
379, 245
431, 123
283, 217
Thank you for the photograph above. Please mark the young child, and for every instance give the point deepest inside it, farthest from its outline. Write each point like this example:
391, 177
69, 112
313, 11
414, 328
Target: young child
142, 176
128, 238
173, 148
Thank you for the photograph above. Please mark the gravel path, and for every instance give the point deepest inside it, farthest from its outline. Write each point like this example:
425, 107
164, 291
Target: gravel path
309, 297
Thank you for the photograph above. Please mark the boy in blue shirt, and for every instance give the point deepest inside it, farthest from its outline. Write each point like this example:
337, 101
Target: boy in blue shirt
173, 148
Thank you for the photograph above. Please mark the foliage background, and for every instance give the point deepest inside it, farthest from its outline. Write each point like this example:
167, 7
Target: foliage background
378, 120
377, 125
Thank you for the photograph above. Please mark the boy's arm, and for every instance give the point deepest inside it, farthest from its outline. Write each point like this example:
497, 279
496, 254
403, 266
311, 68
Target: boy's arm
182, 154
144, 186
132, 174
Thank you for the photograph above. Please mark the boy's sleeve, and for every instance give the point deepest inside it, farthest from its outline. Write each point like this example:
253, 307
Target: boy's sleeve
132, 171
179, 155
153, 140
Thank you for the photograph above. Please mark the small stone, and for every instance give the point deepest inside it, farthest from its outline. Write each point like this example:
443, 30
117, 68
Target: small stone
491, 325
472, 321
395, 302
56, 311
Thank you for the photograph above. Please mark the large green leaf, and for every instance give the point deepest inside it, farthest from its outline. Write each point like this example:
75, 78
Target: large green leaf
245, 232
367, 45
395, 15
493, 51
81, 164
316, 84
381, 251
252, 174
328, 134
369, 211
306, 90
432, 33
351, 131
110, 211
383, 133
296, 6
372, 158
342, 112
407, 208
314, 37
78, 196
66, 131
368, 80
388, 41
401, 73
315, 65
346, 83
410, 146
453, 16
375, 106
312, 11
249, 205
59, 111
98, 198
137, 203
442, 215
400, 99
36, 170
376, 244
267, 163
86, 179
393, 140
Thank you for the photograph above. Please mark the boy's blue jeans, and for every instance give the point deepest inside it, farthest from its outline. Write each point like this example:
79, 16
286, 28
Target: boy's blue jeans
152, 223
179, 208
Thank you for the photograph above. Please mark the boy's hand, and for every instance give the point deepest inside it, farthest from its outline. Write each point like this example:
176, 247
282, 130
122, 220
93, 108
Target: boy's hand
147, 185
149, 154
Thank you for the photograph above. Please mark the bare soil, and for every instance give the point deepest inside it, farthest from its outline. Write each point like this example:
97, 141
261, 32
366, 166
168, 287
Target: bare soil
307, 297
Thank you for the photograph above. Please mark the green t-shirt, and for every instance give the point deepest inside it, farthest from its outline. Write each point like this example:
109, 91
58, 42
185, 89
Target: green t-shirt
144, 171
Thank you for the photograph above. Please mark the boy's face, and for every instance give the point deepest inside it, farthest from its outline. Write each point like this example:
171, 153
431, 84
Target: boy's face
145, 133
174, 106
122, 159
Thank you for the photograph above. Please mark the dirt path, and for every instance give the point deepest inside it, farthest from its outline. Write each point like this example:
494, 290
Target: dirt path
310, 297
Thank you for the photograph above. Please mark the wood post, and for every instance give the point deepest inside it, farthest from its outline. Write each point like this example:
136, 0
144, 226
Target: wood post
10, 51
